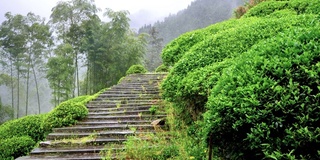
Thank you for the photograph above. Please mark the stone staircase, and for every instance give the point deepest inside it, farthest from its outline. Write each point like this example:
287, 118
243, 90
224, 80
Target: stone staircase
121, 111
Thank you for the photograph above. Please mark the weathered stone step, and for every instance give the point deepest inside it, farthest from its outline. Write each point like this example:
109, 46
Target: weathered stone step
94, 123
107, 95
98, 128
119, 104
71, 153
116, 113
147, 76
138, 97
144, 87
125, 92
120, 108
111, 135
125, 117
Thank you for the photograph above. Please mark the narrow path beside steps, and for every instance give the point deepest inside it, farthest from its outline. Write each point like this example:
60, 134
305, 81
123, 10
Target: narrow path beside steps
121, 111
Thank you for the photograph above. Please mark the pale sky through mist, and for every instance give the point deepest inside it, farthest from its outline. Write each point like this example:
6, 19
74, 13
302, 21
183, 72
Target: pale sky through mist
141, 11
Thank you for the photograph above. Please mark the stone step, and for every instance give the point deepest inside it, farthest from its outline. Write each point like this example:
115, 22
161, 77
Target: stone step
125, 117
106, 99
113, 135
106, 95
120, 108
71, 153
112, 122
125, 92
146, 76
116, 113
98, 128
118, 105
135, 88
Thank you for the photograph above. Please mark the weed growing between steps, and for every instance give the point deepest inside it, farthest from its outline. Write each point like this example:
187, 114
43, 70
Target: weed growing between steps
18, 137
75, 141
175, 142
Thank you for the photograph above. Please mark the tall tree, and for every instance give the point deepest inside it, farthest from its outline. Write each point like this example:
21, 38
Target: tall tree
6, 111
59, 70
13, 37
155, 45
67, 18
38, 41
111, 49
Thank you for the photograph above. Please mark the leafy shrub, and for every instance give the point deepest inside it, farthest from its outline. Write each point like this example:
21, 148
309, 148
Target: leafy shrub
268, 100
177, 48
189, 82
298, 6
266, 8
31, 126
162, 68
67, 113
15, 147
136, 69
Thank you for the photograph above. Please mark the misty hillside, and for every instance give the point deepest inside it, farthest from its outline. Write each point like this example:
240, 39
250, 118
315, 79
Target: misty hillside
199, 14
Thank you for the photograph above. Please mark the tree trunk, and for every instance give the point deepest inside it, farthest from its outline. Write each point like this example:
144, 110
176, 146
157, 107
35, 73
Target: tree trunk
37, 87
12, 85
27, 92
18, 91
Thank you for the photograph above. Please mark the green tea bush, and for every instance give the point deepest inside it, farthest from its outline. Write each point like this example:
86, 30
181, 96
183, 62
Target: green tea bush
136, 69
266, 8
267, 102
31, 126
298, 6
190, 80
162, 68
177, 48
15, 147
67, 113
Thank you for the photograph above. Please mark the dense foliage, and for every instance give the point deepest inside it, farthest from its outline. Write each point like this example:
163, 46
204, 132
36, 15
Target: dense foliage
136, 69
34, 53
251, 86
18, 137
14, 147
162, 68
67, 113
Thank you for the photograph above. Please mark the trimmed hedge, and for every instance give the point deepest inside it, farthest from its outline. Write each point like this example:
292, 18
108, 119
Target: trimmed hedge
67, 113
136, 69
19, 136
269, 99
298, 6
162, 68
31, 126
15, 147
216, 48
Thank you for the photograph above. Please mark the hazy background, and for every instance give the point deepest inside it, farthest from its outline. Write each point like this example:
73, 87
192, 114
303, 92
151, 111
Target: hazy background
141, 11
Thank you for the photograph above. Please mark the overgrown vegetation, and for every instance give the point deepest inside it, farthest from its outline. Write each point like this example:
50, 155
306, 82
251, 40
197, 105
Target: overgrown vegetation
249, 88
18, 137
162, 68
136, 69
169, 142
